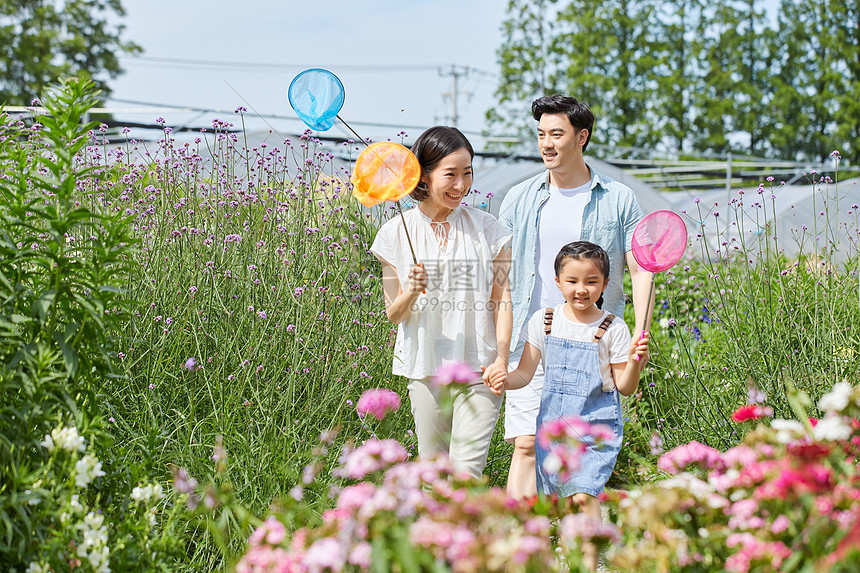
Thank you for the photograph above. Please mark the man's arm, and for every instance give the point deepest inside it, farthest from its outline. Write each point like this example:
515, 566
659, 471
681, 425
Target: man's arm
641, 280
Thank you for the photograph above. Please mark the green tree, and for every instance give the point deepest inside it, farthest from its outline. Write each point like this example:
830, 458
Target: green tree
753, 100
44, 40
731, 97
810, 79
846, 17
679, 25
529, 64
607, 49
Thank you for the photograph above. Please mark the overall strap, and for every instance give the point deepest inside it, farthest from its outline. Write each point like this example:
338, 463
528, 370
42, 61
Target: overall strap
547, 321
601, 330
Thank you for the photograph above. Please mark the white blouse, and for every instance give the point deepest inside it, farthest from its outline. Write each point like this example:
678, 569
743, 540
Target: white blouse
452, 319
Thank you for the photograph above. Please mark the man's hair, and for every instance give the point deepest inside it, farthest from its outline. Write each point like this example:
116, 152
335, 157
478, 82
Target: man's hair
432, 147
576, 111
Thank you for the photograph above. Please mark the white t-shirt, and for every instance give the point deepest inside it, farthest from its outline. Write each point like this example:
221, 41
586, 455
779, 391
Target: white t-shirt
451, 321
612, 349
560, 224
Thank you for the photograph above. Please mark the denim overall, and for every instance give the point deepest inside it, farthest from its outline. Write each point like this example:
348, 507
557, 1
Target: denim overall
573, 386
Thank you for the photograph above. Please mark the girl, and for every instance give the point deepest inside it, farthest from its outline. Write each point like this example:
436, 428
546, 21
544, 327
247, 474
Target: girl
588, 358
453, 306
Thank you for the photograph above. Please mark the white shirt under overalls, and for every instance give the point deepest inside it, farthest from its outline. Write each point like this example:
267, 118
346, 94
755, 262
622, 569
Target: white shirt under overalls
613, 347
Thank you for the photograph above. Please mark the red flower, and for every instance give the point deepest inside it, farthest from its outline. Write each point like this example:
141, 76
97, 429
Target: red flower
751, 412
808, 450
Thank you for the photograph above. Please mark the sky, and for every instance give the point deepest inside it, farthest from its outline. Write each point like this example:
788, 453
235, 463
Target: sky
394, 58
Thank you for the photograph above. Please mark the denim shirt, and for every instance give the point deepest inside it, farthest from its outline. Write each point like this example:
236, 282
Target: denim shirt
608, 220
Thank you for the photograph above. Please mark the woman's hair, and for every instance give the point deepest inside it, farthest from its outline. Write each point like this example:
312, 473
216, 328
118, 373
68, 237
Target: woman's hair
581, 251
432, 147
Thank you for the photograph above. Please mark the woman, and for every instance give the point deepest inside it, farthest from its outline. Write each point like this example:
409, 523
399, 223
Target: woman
453, 306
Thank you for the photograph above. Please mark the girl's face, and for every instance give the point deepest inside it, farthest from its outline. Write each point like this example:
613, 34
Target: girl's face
581, 282
449, 182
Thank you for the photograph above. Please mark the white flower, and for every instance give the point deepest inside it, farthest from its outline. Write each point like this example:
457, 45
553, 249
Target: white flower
837, 399
93, 546
76, 504
552, 464
146, 493
831, 427
664, 322
688, 482
34, 567
87, 469
63, 439
787, 430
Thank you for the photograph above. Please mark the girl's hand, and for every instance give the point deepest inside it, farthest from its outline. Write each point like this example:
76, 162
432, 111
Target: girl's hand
496, 377
638, 353
417, 279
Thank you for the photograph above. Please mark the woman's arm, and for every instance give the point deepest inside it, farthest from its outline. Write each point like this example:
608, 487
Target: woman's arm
398, 304
503, 319
500, 299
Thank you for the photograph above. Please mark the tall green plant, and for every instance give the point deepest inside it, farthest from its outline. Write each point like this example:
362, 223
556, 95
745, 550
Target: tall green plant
748, 317
63, 259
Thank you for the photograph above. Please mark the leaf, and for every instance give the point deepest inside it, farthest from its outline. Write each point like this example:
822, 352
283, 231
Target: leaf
379, 555
70, 355
43, 303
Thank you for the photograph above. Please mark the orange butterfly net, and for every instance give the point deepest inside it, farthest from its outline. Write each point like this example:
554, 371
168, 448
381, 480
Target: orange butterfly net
384, 171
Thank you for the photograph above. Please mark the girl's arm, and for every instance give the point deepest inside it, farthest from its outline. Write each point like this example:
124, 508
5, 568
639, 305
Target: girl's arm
626, 374
398, 304
525, 369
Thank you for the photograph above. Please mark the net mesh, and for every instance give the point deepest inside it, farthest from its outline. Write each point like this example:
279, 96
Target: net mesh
316, 95
384, 171
659, 241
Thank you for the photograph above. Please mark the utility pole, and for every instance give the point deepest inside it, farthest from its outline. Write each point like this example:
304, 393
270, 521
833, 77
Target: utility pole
455, 73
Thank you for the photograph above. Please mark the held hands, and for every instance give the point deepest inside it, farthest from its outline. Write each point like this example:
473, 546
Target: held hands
495, 376
638, 353
417, 279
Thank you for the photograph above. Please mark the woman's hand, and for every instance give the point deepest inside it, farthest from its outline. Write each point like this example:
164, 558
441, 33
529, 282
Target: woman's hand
417, 280
495, 376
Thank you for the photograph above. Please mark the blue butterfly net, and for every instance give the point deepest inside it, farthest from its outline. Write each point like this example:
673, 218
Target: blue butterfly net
316, 95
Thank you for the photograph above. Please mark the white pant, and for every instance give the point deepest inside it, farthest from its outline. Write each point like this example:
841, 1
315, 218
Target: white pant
456, 420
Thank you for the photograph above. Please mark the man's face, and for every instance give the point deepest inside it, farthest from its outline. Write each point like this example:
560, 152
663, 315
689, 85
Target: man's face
558, 141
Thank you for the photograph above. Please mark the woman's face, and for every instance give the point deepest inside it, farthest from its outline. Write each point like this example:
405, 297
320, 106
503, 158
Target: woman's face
449, 182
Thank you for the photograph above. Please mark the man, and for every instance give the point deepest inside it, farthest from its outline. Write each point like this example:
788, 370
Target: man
569, 202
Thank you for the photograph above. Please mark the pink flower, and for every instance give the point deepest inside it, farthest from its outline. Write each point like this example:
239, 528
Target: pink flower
360, 555
373, 456
455, 373
323, 554
751, 412
354, 496
377, 402
675, 460
566, 439
578, 526
573, 428
780, 524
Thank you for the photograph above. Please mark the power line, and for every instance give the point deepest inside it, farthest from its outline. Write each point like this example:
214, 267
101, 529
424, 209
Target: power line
253, 66
185, 108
